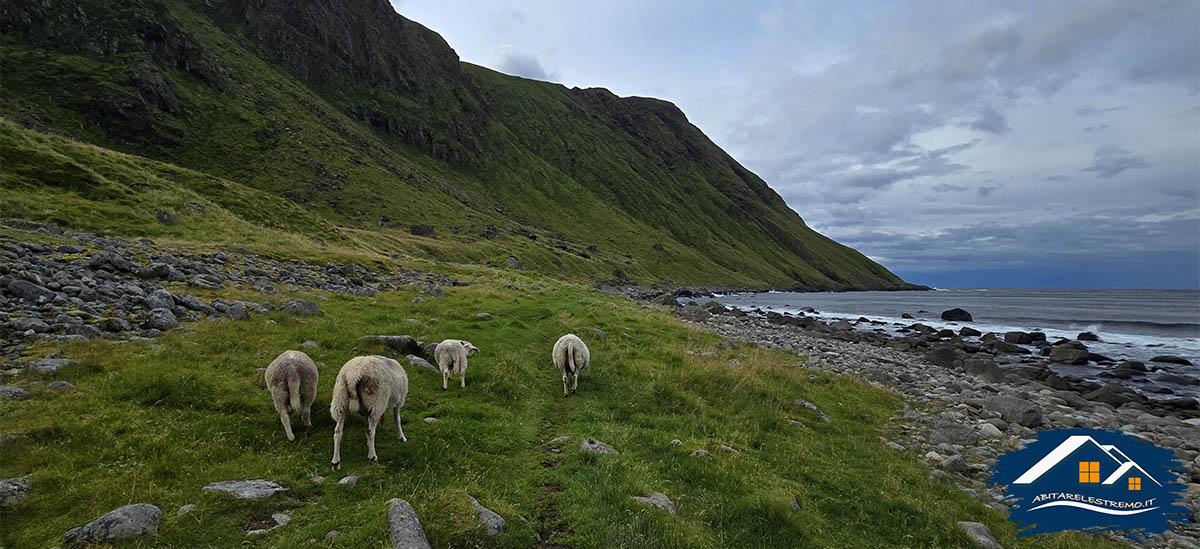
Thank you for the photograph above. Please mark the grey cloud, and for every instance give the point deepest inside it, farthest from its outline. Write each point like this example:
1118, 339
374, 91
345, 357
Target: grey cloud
510, 60
1111, 160
985, 191
1056, 178
944, 188
990, 120
1088, 110
1096, 128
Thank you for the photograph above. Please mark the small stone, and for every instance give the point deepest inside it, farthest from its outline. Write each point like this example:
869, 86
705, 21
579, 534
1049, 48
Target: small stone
979, 534
13, 491
484, 316
186, 509
122, 523
309, 343
60, 386
657, 499
332, 536
956, 464
677, 442
795, 503
988, 430
9, 392
349, 480
596, 447
814, 408
494, 522
895, 446
281, 519
418, 299
317, 479
701, 452
430, 420
237, 311
405, 527
418, 362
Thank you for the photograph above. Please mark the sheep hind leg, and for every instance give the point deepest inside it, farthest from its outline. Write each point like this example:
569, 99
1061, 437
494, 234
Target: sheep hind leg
399, 429
462, 379
337, 442
282, 407
372, 421
445, 379
575, 385
565, 385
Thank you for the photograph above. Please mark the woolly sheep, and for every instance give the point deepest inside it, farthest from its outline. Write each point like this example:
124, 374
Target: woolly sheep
571, 356
370, 385
451, 357
292, 379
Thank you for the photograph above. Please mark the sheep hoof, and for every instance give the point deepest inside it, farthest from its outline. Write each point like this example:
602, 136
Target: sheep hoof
337, 465
291, 438
373, 459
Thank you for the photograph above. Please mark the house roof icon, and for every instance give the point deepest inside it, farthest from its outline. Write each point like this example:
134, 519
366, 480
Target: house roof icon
1069, 446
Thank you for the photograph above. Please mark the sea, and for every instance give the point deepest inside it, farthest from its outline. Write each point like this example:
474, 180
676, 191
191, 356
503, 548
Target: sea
1131, 324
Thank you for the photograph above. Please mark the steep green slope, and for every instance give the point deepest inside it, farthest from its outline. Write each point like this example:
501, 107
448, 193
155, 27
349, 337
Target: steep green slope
369, 120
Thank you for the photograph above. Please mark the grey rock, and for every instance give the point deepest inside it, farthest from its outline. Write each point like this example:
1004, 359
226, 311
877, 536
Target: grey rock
26, 324
237, 311
29, 291
434, 291
186, 509
956, 314
159, 299
1168, 359
192, 302
60, 386
513, 263
657, 499
160, 319
350, 480
596, 447
9, 392
814, 408
123, 523
701, 453
166, 217
677, 442
301, 307
405, 527
332, 536
392, 345
309, 343
418, 362
1015, 410
13, 491
989, 431
418, 299
494, 522
484, 316
1021, 338
246, 489
117, 325
281, 519
49, 365
955, 464
1069, 355
599, 333
979, 534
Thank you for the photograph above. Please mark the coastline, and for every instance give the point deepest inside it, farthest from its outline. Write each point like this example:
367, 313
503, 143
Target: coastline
965, 409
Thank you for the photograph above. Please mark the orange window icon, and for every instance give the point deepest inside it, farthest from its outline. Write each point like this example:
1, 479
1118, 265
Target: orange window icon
1135, 483
1089, 472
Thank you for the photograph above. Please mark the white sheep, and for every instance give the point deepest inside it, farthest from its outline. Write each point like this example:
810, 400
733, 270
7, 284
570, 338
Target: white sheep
292, 379
451, 357
571, 356
370, 385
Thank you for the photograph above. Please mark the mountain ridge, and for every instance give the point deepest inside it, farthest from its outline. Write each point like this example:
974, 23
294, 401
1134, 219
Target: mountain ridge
371, 121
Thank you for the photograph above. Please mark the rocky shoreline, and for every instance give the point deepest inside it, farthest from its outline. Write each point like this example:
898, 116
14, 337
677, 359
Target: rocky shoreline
113, 288
967, 404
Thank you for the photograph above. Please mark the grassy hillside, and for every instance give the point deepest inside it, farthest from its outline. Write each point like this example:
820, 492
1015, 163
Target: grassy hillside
368, 121
154, 421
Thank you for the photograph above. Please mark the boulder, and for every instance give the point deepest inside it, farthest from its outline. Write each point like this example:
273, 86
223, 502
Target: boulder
160, 319
657, 499
969, 332
405, 527
1087, 336
9, 392
123, 523
1178, 379
29, 291
1006, 347
512, 263
1018, 337
13, 491
1067, 355
391, 345
1114, 395
418, 362
957, 314
159, 299
495, 523
301, 307
596, 447
980, 535
1169, 359
1015, 410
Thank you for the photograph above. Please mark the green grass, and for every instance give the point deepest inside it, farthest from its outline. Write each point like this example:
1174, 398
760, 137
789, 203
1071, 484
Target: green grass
154, 421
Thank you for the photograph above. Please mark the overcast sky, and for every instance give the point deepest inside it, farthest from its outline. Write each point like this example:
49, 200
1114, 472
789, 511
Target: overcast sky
961, 144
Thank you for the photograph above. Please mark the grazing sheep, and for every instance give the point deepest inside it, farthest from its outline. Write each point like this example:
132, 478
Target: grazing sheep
571, 356
451, 357
370, 385
292, 379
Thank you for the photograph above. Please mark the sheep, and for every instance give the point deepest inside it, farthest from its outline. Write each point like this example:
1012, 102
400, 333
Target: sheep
292, 379
451, 357
571, 356
370, 385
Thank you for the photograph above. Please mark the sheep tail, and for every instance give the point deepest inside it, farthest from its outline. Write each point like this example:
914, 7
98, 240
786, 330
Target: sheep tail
293, 383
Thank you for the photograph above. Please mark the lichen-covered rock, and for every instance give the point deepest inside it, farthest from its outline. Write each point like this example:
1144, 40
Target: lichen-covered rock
246, 489
123, 523
405, 527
